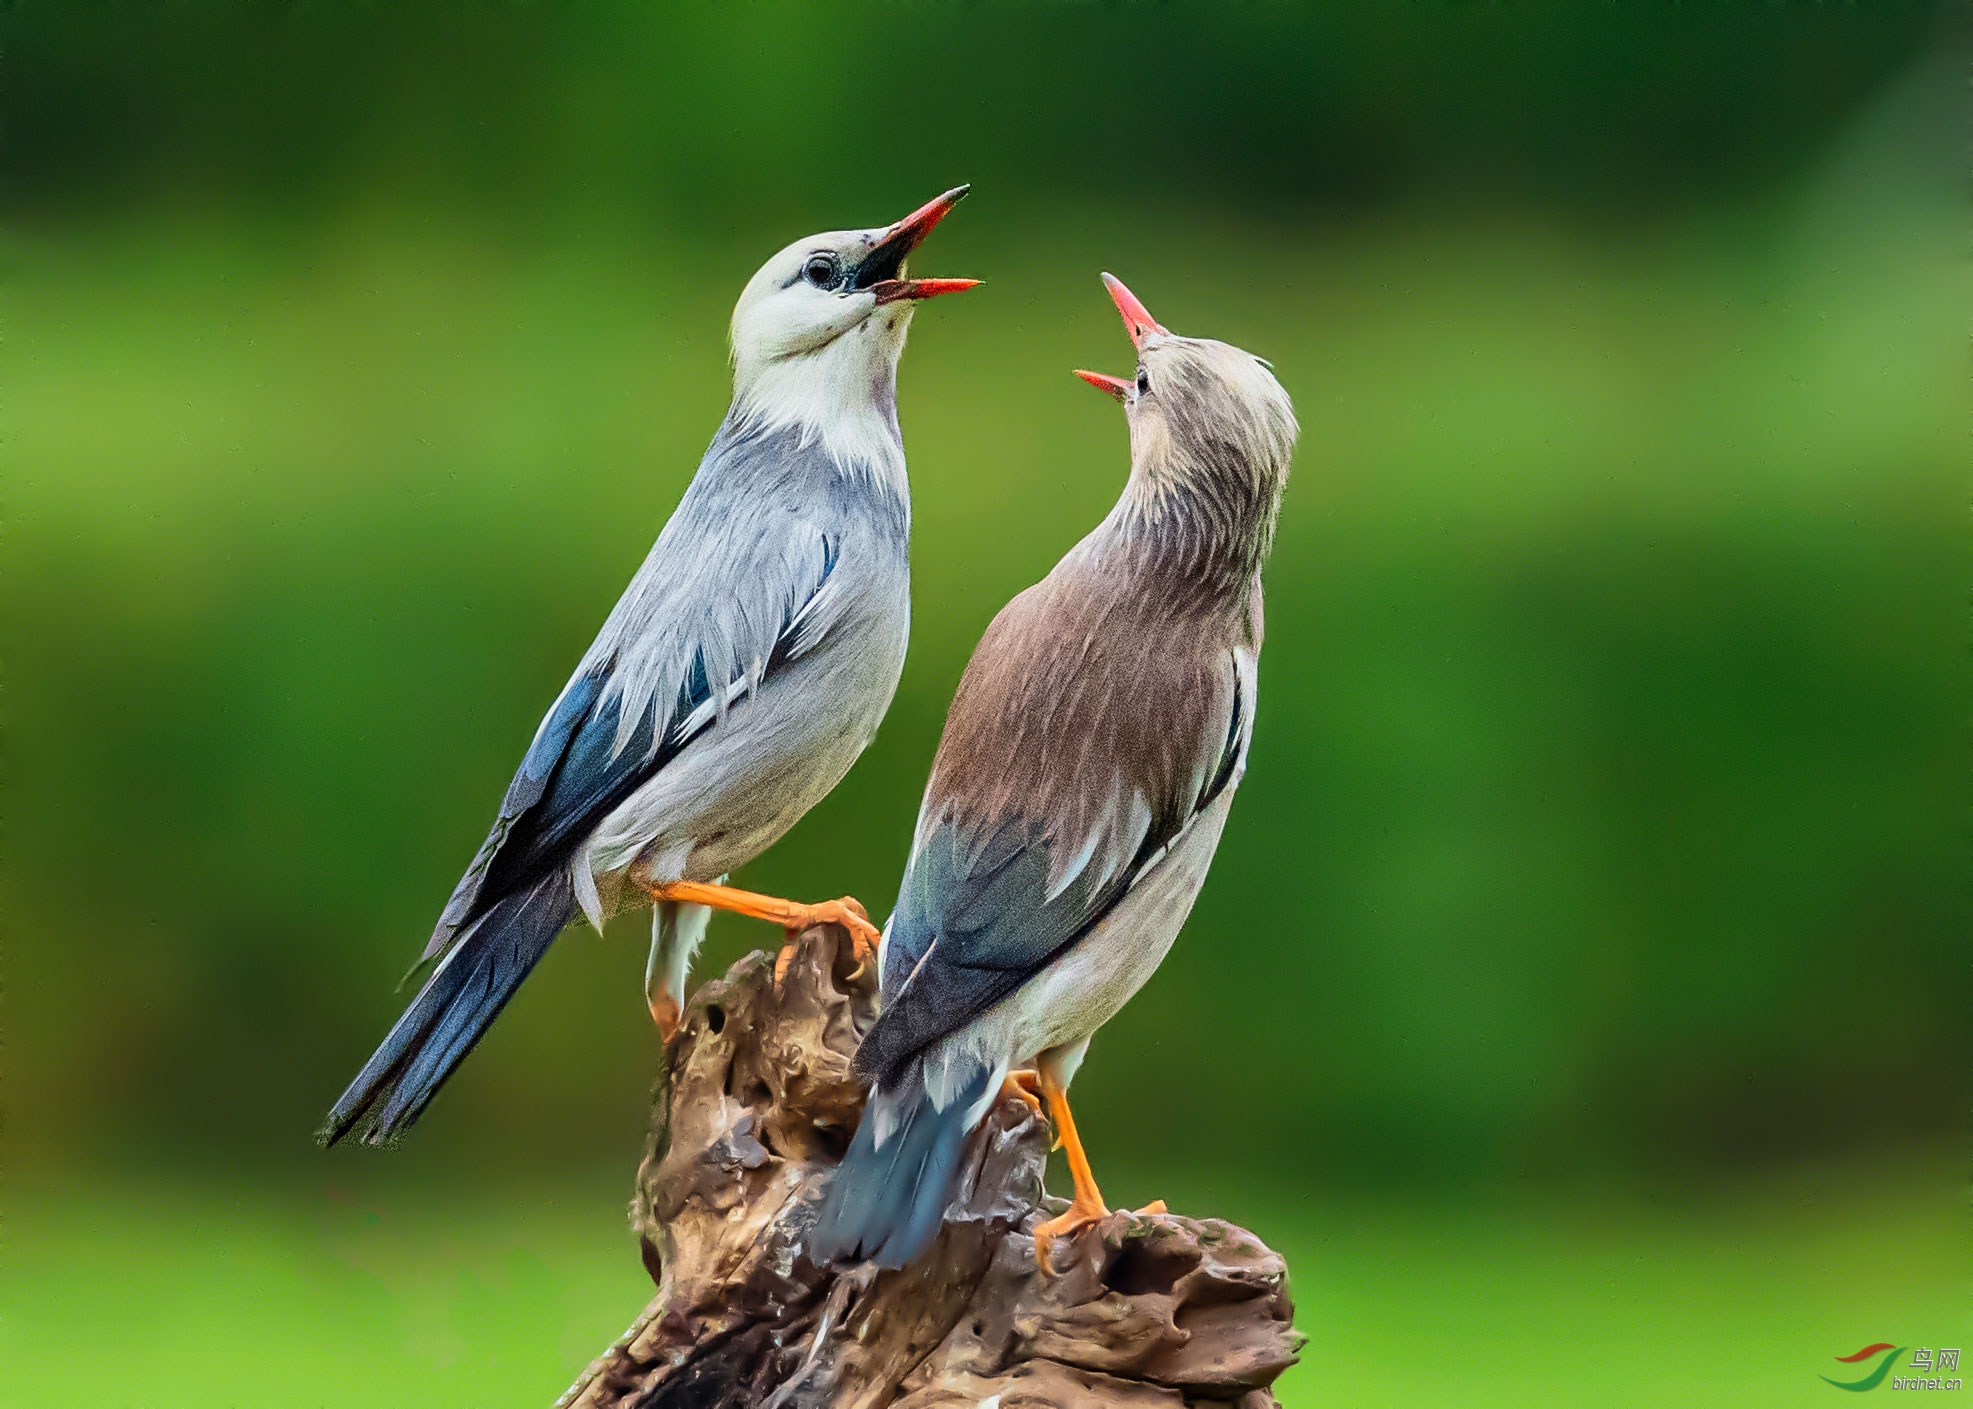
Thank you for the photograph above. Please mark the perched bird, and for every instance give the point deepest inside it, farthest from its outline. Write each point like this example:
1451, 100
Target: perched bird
1088, 761
744, 669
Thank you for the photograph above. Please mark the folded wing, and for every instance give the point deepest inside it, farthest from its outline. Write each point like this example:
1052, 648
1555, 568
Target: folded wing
1077, 750
663, 672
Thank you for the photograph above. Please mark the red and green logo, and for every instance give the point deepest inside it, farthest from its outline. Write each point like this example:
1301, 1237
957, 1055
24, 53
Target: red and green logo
1875, 1377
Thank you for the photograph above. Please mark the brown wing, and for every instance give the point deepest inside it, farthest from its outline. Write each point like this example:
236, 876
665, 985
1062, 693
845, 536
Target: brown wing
1092, 724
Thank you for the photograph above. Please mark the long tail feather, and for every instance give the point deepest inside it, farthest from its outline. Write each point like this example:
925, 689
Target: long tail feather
458, 1002
887, 1204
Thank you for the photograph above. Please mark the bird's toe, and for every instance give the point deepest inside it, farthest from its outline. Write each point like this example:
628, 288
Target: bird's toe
1024, 1086
1079, 1216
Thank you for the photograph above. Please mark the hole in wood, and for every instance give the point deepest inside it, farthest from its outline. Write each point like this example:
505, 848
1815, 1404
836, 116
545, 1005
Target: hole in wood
1139, 1269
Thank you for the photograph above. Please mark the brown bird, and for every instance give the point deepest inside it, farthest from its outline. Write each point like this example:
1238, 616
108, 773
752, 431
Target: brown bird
1088, 762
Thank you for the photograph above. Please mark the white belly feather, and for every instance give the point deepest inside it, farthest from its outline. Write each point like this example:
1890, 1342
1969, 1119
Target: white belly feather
1083, 989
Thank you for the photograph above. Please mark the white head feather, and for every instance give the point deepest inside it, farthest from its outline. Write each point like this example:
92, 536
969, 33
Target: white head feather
817, 334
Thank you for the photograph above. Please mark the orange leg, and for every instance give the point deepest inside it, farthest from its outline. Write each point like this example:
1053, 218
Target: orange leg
791, 915
1087, 1206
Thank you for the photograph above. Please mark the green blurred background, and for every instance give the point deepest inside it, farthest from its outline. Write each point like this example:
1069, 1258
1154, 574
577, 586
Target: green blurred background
1580, 996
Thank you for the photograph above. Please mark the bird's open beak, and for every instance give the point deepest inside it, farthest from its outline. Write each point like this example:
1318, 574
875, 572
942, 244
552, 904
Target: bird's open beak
1138, 321
882, 269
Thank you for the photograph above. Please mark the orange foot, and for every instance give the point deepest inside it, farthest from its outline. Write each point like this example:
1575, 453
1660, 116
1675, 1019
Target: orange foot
847, 912
1023, 1085
1087, 1207
791, 915
1078, 1217
1081, 1214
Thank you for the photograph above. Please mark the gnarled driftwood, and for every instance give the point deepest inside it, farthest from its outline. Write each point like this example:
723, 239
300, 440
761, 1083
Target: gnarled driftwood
756, 1107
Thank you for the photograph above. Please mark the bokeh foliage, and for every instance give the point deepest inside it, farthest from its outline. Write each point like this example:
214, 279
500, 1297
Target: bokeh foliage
1605, 819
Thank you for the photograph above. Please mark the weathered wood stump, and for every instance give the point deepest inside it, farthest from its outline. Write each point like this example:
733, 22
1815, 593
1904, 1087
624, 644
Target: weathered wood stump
754, 1110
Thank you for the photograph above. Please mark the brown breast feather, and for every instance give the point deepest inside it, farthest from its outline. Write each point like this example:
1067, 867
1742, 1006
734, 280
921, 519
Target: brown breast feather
1103, 680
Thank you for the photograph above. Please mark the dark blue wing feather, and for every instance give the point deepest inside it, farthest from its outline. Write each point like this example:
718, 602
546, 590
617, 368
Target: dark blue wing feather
584, 782
970, 929
574, 774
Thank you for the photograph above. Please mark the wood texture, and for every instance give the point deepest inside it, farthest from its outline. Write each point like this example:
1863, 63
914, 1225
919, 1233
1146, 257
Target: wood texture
756, 1106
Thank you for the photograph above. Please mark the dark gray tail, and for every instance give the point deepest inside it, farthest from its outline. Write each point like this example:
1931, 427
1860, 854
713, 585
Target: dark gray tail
887, 1204
458, 1002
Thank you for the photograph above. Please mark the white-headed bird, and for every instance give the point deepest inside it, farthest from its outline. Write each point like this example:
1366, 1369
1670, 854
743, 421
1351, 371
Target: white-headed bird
1088, 762
744, 669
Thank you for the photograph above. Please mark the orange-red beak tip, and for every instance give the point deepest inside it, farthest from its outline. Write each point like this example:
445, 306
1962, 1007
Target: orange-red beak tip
1114, 386
1138, 321
932, 288
891, 290
920, 222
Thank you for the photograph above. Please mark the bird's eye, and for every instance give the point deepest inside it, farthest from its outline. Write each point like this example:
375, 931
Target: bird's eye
1143, 382
820, 271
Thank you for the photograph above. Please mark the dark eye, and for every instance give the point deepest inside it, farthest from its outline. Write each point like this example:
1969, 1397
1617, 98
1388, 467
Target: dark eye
820, 271
1143, 382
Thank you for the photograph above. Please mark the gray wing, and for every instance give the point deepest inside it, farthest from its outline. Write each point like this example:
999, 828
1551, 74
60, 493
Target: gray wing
1092, 789
714, 612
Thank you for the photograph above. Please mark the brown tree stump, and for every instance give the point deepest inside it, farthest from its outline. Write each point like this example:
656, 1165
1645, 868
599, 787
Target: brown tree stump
756, 1106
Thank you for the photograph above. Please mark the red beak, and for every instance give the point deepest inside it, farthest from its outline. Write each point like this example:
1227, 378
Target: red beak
905, 236
1138, 321
890, 289
915, 226
1115, 386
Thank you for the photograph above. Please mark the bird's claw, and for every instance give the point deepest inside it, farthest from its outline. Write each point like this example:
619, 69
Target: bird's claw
1080, 1215
850, 914
847, 912
1024, 1086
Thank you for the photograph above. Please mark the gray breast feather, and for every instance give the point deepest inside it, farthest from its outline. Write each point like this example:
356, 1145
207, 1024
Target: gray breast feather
742, 582
760, 526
